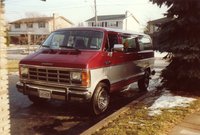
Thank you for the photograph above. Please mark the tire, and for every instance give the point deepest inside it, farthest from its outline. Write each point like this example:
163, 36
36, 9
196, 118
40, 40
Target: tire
143, 83
36, 100
100, 100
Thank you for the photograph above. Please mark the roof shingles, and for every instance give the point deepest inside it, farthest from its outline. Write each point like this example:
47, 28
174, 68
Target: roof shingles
108, 17
32, 20
38, 19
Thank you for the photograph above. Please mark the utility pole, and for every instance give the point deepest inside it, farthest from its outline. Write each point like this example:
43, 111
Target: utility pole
95, 6
126, 23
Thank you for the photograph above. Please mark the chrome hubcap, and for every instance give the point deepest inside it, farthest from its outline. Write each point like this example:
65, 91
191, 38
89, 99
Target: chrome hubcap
103, 100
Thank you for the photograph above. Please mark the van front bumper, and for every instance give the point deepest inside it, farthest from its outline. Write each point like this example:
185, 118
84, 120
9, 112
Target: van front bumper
58, 93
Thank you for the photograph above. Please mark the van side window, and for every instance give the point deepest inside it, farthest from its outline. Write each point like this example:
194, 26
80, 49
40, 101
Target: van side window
129, 43
145, 43
113, 39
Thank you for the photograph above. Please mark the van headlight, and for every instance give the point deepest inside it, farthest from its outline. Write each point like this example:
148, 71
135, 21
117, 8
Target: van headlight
24, 72
82, 78
76, 76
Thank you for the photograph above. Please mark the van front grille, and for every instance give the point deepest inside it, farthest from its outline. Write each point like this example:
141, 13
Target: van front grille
49, 75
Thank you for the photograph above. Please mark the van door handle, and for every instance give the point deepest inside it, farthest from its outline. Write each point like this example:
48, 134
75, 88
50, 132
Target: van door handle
107, 62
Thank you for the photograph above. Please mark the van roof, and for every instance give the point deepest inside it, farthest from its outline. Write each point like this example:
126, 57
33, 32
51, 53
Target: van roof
104, 29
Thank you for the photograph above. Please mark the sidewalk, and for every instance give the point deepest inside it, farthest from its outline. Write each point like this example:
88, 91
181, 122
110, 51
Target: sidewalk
189, 126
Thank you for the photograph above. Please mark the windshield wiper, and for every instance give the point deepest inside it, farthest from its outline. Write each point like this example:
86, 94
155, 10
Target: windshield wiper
64, 46
70, 47
47, 46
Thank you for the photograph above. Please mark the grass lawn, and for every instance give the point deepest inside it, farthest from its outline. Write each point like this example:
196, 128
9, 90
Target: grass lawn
137, 120
13, 65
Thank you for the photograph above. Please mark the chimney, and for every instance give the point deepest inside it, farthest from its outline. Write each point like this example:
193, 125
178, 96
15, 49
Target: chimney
54, 20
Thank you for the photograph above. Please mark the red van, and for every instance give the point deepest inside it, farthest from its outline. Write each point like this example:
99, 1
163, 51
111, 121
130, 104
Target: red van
87, 65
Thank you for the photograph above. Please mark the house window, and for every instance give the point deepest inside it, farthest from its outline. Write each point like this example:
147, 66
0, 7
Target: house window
92, 23
41, 24
29, 25
113, 24
17, 26
117, 23
102, 24
106, 24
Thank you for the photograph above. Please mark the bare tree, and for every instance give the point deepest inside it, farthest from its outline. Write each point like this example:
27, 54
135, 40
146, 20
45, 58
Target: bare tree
34, 14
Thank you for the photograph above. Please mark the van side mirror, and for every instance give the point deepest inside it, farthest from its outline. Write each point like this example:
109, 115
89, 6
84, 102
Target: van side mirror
118, 47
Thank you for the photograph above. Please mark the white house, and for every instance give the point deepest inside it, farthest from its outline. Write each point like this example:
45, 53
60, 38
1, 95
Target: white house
34, 30
153, 27
120, 21
154, 24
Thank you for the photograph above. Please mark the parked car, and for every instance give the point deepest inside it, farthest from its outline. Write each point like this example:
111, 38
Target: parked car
86, 65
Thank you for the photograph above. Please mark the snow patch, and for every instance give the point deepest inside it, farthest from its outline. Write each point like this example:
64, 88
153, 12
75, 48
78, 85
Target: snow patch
13, 73
155, 81
166, 101
159, 54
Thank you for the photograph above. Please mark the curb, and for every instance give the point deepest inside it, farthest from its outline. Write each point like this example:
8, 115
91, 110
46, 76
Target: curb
113, 116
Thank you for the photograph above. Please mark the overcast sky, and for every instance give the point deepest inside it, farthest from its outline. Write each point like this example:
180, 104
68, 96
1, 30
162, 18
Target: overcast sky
80, 10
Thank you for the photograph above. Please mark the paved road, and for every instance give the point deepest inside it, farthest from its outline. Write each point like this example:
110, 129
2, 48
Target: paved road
55, 117
17, 53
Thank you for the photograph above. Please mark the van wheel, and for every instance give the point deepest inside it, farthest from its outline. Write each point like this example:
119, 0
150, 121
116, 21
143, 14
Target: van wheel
143, 83
36, 100
100, 99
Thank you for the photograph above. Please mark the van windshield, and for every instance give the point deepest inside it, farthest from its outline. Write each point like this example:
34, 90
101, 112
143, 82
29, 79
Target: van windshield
77, 39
